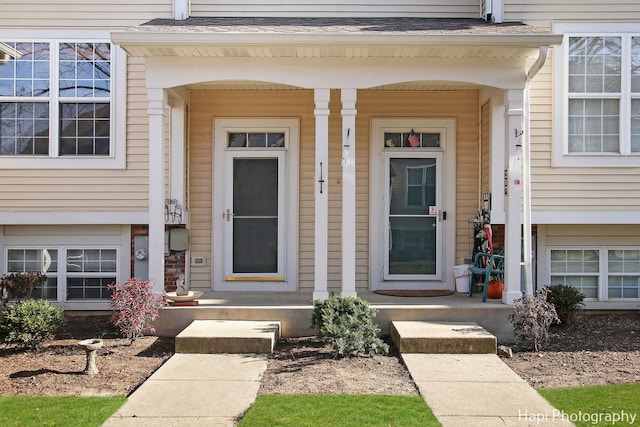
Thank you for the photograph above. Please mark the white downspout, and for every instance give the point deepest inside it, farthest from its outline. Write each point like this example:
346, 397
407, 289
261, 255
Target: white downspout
181, 9
526, 172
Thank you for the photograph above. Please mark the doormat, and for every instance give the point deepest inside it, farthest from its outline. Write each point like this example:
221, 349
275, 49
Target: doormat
409, 293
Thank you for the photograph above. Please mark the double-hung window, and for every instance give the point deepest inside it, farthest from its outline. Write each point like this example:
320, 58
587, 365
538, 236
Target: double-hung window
57, 104
597, 79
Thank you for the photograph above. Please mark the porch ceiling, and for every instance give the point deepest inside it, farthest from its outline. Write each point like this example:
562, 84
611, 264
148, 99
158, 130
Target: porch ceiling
333, 38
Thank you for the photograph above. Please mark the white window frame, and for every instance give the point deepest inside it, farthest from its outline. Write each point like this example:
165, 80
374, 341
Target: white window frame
603, 273
117, 148
560, 151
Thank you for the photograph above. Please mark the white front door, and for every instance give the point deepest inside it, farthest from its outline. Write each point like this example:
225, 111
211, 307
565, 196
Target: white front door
255, 231
412, 203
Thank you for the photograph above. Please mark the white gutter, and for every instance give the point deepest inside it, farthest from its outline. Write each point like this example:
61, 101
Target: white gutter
526, 173
185, 36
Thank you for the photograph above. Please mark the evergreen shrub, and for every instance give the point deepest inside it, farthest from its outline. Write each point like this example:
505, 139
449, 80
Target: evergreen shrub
346, 325
29, 323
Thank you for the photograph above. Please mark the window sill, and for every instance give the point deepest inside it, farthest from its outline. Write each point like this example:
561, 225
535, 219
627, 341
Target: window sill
596, 161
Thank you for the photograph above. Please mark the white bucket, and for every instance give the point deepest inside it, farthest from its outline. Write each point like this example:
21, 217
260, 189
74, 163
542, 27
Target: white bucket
462, 273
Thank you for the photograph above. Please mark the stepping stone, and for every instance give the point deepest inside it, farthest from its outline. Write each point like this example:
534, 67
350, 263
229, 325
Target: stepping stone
228, 336
442, 337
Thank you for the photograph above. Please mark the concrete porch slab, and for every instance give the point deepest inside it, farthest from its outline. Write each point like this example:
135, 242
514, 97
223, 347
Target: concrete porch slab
228, 336
442, 337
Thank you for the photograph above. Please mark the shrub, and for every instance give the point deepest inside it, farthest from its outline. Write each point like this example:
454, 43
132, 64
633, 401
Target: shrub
346, 325
134, 306
27, 324
567, 301
18, 285
532, 318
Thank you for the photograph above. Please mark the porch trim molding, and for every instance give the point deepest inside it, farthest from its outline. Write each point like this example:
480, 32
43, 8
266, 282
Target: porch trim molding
321, 244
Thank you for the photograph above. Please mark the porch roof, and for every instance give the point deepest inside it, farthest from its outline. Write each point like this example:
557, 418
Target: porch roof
271, 37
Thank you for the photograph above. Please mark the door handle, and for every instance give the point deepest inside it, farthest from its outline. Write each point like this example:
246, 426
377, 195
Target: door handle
229, 214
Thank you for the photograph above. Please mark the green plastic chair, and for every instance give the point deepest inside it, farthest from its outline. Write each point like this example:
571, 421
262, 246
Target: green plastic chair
487, 265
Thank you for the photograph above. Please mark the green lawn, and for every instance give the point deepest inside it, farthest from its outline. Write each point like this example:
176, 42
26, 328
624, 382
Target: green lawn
339, 410
605, 405
28, 411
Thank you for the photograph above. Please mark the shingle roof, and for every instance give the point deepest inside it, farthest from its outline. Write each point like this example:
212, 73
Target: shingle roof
339, 26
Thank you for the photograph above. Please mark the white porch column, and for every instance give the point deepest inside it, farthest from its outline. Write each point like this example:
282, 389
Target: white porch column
513, 101
157, 101
321, 97
348, 97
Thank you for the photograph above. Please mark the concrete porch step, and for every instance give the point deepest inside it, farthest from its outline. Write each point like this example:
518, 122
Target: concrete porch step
442, 337
228, 336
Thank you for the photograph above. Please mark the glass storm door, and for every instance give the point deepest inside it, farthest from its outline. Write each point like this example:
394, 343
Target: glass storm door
412, 234
254, 217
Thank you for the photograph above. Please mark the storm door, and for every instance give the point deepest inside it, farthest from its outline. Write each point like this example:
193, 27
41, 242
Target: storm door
413, 206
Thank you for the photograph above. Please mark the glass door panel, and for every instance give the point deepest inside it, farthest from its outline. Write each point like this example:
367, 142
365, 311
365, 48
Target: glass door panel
413, 217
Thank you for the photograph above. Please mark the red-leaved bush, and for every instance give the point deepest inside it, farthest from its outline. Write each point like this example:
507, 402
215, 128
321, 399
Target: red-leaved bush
134, 306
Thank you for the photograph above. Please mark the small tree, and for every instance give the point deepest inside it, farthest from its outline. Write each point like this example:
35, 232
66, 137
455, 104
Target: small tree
134, 306
346, 324
532, 318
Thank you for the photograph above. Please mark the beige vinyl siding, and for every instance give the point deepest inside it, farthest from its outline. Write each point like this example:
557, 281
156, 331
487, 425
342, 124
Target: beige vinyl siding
571, 188
90, 189
82, 13
543, 12
332, 8
205, 106
588, 235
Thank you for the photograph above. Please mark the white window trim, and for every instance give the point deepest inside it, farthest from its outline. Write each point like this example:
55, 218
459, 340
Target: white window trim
84, 239
117, 157
560, 154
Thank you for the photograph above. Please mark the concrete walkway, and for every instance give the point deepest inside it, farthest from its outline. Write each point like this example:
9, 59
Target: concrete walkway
203, 385
460, 389
194, 390
478, 390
